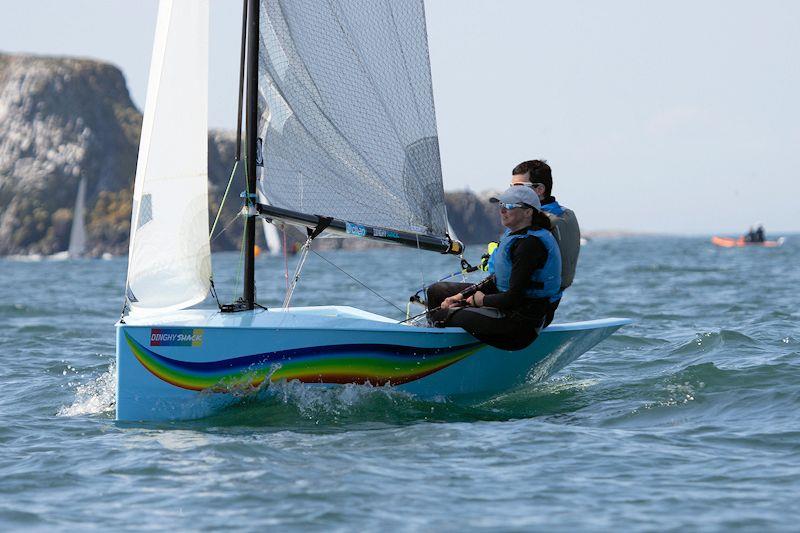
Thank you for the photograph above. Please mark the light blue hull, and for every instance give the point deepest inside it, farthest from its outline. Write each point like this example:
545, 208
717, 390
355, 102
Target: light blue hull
193, 363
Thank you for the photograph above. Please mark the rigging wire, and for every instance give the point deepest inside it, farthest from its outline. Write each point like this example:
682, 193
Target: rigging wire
224, 197
227, 226
358, 281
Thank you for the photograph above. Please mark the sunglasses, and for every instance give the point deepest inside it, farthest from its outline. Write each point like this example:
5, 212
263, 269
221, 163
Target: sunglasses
531, 185
509, 207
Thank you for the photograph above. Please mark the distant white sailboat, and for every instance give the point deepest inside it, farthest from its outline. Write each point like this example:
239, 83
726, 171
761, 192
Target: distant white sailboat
77, 234
271, 236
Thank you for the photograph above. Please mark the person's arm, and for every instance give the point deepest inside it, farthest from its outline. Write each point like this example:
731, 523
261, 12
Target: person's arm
528, 255
487, 284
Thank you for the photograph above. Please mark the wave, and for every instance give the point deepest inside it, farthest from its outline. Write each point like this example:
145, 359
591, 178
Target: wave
653, 383
12, 310
630, 341
672, 269
296, 405
96, 397
708, 341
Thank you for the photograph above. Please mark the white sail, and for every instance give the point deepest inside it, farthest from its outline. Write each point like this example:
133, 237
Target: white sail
347, 114
272, 238
77, 235
169, 262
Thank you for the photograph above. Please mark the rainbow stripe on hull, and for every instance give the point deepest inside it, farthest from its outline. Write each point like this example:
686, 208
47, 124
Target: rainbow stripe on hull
376, 364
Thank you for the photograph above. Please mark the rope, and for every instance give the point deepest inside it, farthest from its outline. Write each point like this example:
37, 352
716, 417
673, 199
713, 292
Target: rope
125, 309
227, 226
422, 279
466, 268
465, 271
214, 294
285, 258
421, 263
359, 282
419, 315
224, 197
408, 309
468, 291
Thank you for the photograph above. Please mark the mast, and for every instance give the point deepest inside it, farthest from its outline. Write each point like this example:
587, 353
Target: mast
251, 136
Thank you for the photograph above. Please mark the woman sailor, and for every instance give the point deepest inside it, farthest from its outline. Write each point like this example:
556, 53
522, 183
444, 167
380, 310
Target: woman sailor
507, 310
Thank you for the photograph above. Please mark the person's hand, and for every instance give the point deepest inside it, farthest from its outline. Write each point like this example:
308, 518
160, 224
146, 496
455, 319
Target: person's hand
452, 301
476, 300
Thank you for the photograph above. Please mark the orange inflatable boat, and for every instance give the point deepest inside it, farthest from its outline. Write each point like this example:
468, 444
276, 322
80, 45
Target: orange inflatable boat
727, 242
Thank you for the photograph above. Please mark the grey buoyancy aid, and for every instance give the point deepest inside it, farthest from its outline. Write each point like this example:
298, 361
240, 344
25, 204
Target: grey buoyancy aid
553, 207
568, 236
546, 281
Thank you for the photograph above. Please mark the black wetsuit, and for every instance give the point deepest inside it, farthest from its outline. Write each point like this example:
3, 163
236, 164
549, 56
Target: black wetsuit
508, 320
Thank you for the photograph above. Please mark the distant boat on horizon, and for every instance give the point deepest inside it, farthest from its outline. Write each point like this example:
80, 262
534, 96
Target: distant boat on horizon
272, 238
77, 234
729, 242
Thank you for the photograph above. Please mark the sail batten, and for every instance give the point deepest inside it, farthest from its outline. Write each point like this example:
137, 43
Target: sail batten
169, 260
346, 113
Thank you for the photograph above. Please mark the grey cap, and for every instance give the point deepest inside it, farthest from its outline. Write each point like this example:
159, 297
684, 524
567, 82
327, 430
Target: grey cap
519, 194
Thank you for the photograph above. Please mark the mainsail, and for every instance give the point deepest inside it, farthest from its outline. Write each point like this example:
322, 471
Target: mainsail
346, 113
169, 262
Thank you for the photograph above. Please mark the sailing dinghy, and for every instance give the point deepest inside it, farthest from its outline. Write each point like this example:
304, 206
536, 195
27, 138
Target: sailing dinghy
341, 140
77, 234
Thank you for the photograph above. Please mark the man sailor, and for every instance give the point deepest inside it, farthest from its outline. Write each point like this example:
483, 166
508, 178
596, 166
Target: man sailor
509, 308
759, 235
538, 175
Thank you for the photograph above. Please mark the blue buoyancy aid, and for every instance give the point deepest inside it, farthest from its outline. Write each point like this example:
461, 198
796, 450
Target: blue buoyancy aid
553, 208
546, 281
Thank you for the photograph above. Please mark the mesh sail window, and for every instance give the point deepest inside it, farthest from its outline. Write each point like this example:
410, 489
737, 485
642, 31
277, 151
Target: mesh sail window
169, 262
346, 113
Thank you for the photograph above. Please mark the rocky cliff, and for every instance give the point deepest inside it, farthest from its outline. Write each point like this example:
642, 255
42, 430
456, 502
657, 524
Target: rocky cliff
473, 218
63, 119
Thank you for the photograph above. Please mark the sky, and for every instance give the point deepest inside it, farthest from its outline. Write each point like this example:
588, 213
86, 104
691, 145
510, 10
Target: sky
670, 117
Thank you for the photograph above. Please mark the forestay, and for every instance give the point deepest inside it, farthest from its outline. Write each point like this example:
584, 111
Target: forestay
346, 113
169, 262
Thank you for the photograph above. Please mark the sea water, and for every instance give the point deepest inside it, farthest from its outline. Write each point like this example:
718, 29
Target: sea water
688, 419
